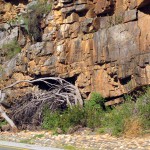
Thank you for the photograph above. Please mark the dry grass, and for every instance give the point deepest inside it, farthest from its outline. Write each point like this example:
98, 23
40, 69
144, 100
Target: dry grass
133, 128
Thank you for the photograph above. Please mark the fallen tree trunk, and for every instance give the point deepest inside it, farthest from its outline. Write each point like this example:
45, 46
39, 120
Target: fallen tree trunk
63, 83
10, 122
60, 93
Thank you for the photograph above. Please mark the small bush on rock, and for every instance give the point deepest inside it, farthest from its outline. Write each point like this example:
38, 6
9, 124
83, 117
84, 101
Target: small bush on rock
35, 15
11, 49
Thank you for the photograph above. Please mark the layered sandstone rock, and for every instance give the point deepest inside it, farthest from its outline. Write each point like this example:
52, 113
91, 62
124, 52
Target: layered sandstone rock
9, 9
100, 45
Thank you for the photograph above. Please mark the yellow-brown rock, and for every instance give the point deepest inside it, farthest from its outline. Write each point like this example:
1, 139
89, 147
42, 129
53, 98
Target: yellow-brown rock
102, 45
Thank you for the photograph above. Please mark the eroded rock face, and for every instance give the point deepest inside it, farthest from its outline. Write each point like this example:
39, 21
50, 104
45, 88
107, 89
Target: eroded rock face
10, 9
103, 45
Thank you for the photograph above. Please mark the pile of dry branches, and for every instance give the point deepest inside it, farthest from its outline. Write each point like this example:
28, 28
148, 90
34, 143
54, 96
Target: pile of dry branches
28, 110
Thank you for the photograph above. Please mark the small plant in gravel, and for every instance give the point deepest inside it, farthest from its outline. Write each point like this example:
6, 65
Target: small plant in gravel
69, 147
31, 140
27, 141
38, 136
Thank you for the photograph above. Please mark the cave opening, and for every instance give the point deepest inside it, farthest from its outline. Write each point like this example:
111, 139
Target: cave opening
72, 80
145, 10
44, 86
16, 2
137, 92
126, 80
82, 13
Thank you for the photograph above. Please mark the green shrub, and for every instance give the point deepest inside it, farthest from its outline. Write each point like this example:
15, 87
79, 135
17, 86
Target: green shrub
128, 118
11, 49
115, 119
142, 109
3, 123
89, 116
96, 101
94, 109
63, 120
72, 117
93, 117
51, 120
41, 7
136, 114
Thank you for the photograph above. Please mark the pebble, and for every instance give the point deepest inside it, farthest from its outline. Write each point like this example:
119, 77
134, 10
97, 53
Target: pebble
82, 141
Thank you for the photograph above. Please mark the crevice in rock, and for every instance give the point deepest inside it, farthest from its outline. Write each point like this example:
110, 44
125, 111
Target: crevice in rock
16, 2
72, 80
145, 10
133, 95
137, 92
82, 13
125, 80
145, 3
113, 98
43, 86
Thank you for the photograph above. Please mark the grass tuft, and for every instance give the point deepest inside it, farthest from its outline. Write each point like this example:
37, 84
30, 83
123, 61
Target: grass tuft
11, 49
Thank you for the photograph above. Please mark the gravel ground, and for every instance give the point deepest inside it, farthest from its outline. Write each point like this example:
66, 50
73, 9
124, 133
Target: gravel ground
4, 145
83, 140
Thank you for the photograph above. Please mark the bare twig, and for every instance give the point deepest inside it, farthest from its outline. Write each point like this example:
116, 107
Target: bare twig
58, 94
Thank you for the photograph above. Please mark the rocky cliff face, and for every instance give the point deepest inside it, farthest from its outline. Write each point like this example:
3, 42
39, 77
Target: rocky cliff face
100, 45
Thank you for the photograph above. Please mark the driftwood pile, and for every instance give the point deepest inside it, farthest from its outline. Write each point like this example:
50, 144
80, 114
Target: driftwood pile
27, 112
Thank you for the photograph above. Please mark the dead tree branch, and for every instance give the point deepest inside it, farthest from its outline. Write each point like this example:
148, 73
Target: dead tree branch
10, 122
59, 93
